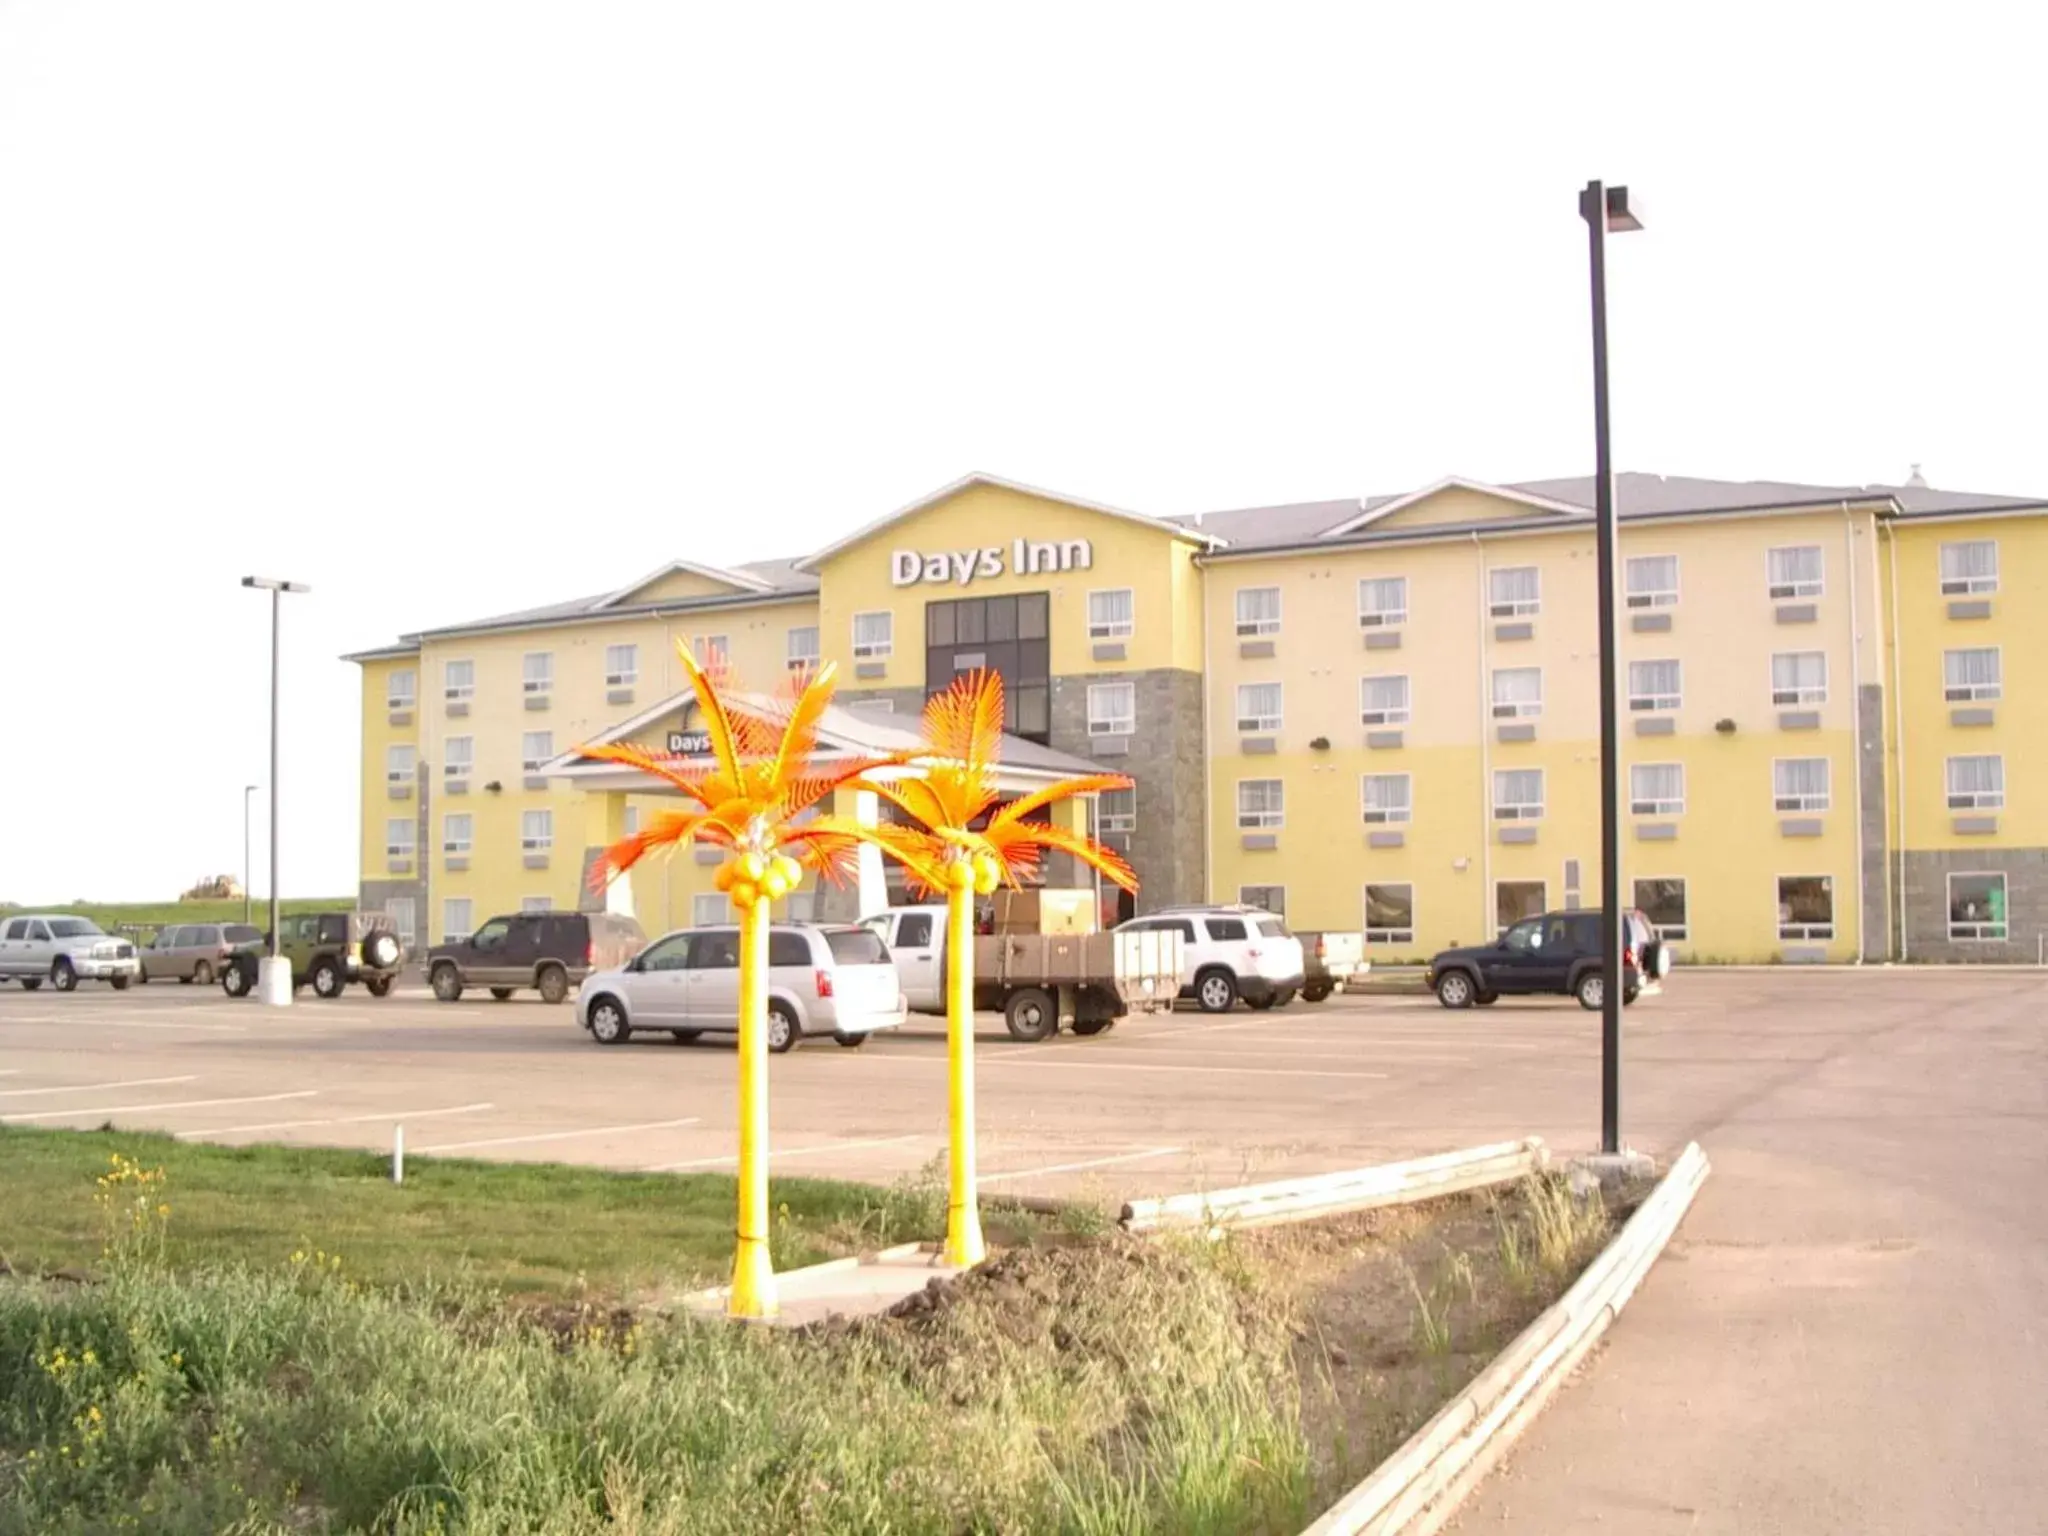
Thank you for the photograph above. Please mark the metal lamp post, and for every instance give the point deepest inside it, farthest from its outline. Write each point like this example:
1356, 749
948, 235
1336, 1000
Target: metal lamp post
248, 791
273, 976
1607, 208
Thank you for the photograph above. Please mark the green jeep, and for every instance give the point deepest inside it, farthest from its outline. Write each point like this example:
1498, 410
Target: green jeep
327, 951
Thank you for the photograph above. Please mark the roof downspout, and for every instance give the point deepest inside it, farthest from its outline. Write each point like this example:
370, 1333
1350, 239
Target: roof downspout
1891, 550
1487, 922
1856, 735
1209, 791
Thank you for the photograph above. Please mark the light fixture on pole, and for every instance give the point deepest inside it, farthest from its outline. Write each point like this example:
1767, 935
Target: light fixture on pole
274, 975
1606, 208
248, 897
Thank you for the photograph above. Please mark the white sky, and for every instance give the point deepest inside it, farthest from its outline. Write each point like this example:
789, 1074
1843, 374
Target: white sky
452, 308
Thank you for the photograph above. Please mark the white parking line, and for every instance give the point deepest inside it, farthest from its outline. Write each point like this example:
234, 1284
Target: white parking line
58, 1019
132, 1082
1093, 1162
595, 1130
293, 1125
134, 1109
1139, 1066
777, 1153
1217, 1054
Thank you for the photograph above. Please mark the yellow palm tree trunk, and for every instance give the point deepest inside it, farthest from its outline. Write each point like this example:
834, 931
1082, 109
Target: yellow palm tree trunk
964, 1243
753, 1276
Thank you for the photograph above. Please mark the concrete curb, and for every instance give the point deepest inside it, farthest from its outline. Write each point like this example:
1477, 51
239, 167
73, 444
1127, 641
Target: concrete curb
1357, 1189
1415, 1491
719, 1293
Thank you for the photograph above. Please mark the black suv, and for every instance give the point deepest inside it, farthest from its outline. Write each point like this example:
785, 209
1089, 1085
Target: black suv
549, 951
1558, 952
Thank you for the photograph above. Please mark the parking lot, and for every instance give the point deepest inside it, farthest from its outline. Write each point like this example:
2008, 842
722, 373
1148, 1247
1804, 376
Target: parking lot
1180, 1102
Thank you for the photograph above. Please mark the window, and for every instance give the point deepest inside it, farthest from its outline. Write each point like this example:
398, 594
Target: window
874, 636
536, 831
1799, 677
455, 835
1972, 674
537, 673
1385, 797
1382, 602
631, 821
669, 954
786, 950
709, 909
1806, 906
1516, 901
1227, 930
1258, 610
460, 757
458, 681
1258, 707
1656, 789
1515, 591
1117, 811
1969, 566
1653, 685
1261, 803
1110, 614
400, 909
1112, 709
713, 652
400, 764
1800, 784
1010, 636
1383, 700
621, 666
1976, 907
1517, 692
536, 748
536, 903
1269, 898
803, 648
914, 930
1517, 794
1794, 571
1976, 783
455, 919
401, 689
1652, 581
1390, 914
399, 833
1662, 901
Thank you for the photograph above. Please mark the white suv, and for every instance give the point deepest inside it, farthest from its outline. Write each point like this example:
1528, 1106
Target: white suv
1231, 953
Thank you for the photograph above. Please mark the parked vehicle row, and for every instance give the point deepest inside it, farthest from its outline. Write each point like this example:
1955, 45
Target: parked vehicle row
194, 952
51, 946
327, 951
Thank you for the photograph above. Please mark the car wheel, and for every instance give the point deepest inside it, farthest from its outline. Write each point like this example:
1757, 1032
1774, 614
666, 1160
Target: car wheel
783, 1031
1283, 999
1592, 991
447, 983
607, 1022
62, 977
1454, 989
1486, 999
1316, 991
1216, 991
1263, 1003
203, 973
501, 993
120, 982
380, 950
851, 1042
237, 979
685, 1036
30, 983
380, 986
1092, 1026
554, 984
1031, 1015
1629, 995
327, 979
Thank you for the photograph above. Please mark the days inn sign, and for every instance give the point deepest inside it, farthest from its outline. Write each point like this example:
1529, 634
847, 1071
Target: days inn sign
961, 567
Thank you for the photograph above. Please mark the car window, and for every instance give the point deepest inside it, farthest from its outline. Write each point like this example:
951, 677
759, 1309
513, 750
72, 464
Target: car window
914, 930
1526, 936
205, 933
492, 935
1226, 930
240, 933
1270, 927
17, 929
1183, 926
671, 954
333, 930
858, 946
715, 952
73, 927
1586, 933
787, 948
1556, 933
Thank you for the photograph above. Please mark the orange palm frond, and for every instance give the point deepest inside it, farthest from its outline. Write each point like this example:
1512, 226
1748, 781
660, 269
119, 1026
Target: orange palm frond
922, 854
668, 829
800, 729
1020, 844
965, 723
1053, 794
717, 723
690, 783
809, 790
915, 798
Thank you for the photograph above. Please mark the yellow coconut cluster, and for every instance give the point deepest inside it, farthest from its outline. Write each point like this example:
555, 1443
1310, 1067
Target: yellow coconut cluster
982, 872
755, 877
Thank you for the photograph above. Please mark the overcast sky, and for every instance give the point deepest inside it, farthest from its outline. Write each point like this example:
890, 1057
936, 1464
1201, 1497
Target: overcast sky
453, 308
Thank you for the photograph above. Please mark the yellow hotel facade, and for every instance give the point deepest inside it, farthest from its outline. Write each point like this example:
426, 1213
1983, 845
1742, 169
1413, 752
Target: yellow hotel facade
1373, 713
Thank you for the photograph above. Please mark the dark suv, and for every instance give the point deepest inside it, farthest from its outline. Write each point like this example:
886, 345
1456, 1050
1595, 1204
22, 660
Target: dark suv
549, 951
1558, 952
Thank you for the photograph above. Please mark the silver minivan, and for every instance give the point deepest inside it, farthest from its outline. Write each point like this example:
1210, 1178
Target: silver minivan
822, 980
194, 951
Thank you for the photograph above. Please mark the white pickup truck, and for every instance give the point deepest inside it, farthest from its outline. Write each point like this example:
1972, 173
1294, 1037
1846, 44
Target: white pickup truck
1038, 981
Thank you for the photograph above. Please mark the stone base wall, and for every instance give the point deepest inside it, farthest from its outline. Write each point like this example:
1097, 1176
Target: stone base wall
1926, 905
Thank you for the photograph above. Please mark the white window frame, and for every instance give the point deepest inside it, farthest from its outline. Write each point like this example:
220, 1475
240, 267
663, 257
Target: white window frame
400, 847
454, 770
1387, 935
451, 845
1108, 821
1798, 587
1516, 709
1248, 628
532, 905
1804, 694
1682, 931
452, 691
1963, 693
1113, 629
542, 685
531, 764
1392, 715
1386, 815
1640, 804
1513, 607
402, 698
802, 661
1252, 724
1519, 810
405, 917
450, 932
1269, 819
1648, 703
1986, 932
616, 675
713, 652
1244, 898
1805, 801
532, 841
1123, 723
411, 769
875, 650
1804, 933
1966, 586
1542, 906
1973, 799
722, 917
1659, 596
1382, 618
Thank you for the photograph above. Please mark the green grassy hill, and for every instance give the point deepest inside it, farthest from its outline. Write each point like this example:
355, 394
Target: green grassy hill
114, 915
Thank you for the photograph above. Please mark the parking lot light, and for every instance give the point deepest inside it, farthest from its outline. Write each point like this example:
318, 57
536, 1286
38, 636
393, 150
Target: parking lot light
273, 975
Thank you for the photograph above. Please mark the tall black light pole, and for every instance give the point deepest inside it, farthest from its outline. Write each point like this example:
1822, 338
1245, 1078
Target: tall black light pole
1606, 208
274, 984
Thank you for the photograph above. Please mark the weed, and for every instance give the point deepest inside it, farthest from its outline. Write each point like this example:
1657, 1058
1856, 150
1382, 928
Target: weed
1432, 1318
1514, 1255
1564, 1226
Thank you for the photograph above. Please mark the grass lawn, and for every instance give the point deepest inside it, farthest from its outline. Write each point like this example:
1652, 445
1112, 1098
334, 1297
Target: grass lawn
112, 915
513, 1228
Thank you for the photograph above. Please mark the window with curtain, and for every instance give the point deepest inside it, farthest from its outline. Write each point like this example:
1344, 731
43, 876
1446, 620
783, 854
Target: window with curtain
801, 654
458, 680
1795, 571
1111, 614
1800, 784
1653, 685
1517, 794
1517, 692
1258, 610
1117, 811
455, 920
1261, 803
401, 688
401, 761
1656, 789
1386, 798
537, 670
458, 756
1799, 677
536, 748
1976, 783
536, 831
399, 833
621, 666
456, 833
1515, 591
1651, 581
1258, 707
1112, 709
1970, 565
1971, 674
1383, 700
874, 635
1382, 601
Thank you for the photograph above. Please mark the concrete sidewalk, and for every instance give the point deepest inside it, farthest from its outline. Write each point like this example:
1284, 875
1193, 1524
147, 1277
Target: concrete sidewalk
843, 1287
